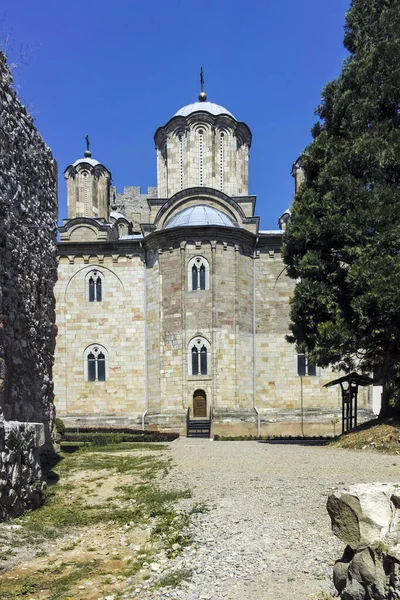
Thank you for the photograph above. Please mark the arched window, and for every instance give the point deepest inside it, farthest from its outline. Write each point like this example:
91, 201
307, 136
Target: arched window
94, 286
198, 274
199, 357
95, 363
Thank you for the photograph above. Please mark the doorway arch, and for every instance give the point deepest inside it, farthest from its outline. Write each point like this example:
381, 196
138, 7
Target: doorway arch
199, 404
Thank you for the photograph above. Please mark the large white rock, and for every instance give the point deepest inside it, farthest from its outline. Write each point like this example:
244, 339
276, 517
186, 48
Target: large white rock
365, 514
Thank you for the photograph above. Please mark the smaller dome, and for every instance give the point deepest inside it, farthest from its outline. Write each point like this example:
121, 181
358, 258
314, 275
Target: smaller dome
210, 107
284, 219
90, 161
200, 214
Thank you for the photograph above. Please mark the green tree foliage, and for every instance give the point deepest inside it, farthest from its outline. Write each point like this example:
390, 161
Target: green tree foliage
343, 241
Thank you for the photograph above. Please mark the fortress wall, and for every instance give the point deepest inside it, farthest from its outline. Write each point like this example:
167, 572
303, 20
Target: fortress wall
28, 271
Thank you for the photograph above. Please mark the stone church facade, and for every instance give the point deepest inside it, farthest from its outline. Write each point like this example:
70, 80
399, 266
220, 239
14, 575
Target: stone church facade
176, 300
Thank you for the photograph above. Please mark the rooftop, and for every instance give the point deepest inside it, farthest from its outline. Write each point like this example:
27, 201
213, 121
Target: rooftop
210, 107
200, 214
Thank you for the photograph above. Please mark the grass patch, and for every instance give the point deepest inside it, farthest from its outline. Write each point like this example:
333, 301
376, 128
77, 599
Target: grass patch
56, 581
174, 578
6, 554
171, 530
101, 460
70, 505
66, 504
151, 497
134, 566
199, 508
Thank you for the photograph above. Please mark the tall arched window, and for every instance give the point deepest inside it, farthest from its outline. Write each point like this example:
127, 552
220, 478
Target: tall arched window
198, 274
94, 286
199, 357
96, 363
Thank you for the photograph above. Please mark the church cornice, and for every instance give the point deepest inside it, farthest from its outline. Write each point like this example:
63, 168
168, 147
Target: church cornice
167, 239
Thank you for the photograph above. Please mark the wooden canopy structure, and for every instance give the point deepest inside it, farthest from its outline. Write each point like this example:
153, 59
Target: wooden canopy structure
349, 385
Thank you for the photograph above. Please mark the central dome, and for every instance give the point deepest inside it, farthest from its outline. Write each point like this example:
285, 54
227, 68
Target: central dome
201, 214
210, 107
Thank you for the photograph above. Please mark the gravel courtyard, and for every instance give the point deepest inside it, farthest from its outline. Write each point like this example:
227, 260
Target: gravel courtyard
267, 534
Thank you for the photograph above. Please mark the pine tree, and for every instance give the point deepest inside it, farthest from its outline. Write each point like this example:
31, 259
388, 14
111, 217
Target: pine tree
343, 241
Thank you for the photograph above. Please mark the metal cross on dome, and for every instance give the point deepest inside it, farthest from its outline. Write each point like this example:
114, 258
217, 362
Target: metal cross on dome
201, 79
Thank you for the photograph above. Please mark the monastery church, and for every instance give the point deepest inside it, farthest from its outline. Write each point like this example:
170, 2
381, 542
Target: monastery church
175, 300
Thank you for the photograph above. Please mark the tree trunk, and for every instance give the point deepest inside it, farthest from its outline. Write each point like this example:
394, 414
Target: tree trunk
388, 400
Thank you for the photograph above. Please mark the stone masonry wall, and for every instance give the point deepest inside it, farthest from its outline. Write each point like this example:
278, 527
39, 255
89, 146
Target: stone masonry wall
281, 394
28, 211
206, 151
28, 269
116, 325
21, 485
133, 204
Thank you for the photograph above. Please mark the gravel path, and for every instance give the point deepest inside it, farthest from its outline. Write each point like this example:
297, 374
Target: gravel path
267, 534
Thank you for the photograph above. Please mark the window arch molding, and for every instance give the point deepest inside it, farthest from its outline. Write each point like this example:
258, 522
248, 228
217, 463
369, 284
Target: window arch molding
94, 286
198, 274
96, 363
199, 357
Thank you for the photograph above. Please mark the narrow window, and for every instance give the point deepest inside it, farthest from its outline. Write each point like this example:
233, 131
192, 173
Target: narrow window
311, 370
301, 365
91, 289
98, 289
94, 290
85, 194
202, 277
304, 367
181, 161
91, 367
96, 363
195, 276
221, 162
203, 360
198, 274
201, 158
195, 361
198, 357
101, 367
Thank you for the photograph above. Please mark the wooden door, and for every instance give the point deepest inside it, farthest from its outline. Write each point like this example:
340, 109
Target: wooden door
199, 404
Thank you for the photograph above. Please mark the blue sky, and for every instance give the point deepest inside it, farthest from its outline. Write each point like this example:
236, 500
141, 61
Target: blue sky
118, 70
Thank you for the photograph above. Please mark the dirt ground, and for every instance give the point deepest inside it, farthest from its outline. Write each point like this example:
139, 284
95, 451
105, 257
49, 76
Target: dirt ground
191, 520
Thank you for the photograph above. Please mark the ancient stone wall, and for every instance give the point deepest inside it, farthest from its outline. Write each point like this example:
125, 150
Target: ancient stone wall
28, 269
28, 211
21, 485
